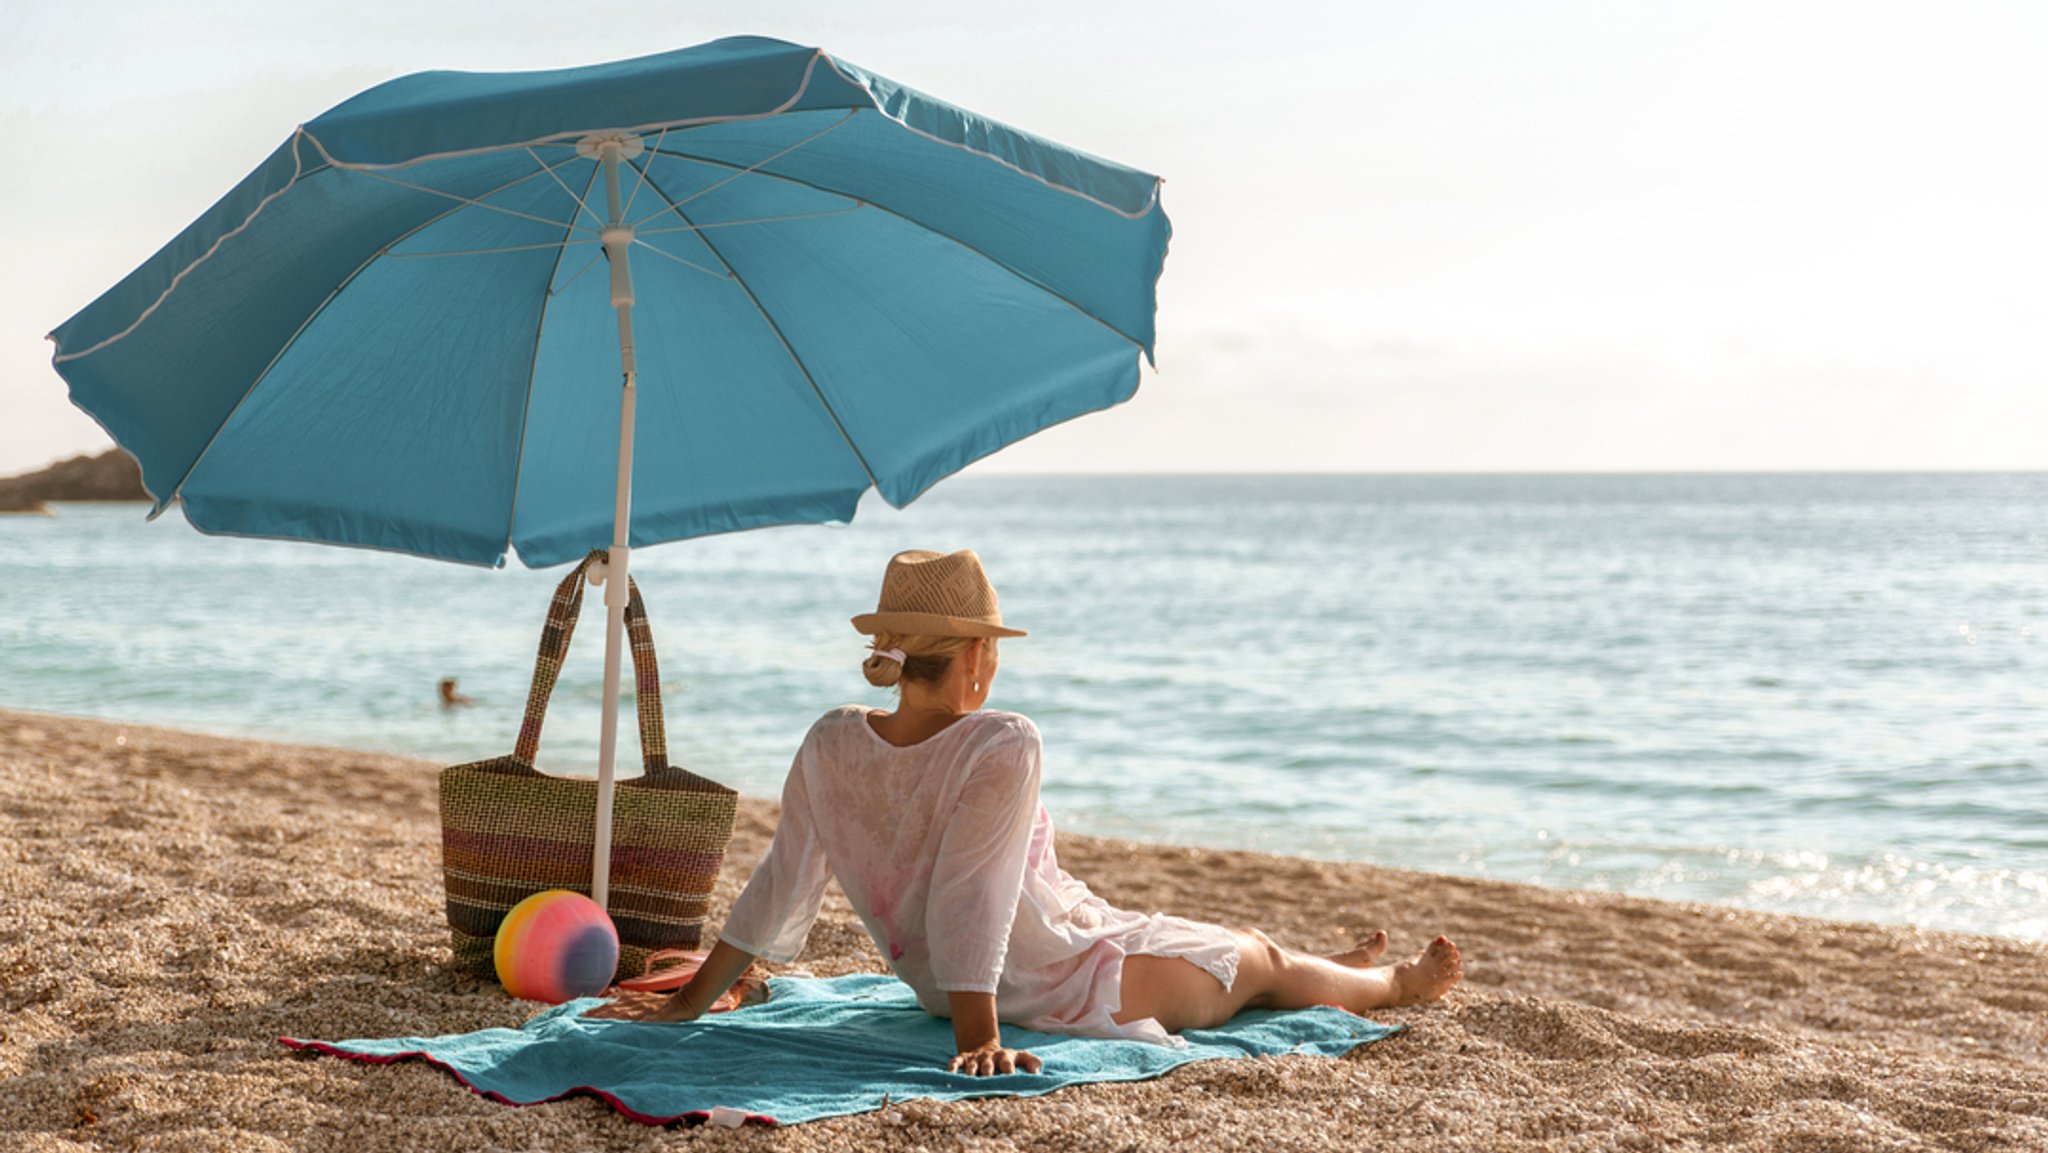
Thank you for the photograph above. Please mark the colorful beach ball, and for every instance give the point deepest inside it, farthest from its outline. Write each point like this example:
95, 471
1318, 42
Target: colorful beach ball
556, 946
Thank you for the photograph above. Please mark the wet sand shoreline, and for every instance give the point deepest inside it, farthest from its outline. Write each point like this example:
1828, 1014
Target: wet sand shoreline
171, 903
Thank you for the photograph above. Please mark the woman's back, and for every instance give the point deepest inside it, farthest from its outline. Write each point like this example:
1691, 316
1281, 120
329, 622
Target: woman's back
927, 840
947, 857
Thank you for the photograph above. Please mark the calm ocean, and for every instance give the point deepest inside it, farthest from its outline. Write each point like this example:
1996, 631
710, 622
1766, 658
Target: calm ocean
1822, 694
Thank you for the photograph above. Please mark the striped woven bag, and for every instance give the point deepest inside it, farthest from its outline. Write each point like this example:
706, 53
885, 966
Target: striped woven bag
509, 831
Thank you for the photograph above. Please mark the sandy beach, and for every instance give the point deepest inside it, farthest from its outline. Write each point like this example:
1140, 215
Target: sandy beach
170, 904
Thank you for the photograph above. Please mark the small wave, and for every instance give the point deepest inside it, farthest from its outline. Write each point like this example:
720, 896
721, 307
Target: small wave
2023, 770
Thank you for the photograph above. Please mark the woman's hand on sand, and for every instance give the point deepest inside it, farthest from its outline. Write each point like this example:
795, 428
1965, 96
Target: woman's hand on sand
644, 1007
992, 1059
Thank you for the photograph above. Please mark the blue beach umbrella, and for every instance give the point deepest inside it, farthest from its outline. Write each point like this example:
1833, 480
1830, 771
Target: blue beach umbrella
467, 314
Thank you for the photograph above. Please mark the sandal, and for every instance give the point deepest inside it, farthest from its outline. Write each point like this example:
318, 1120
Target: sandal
669, 979
750, 988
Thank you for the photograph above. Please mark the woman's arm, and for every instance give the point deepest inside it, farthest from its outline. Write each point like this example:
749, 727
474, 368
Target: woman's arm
719, 970
977, 881
979, 1039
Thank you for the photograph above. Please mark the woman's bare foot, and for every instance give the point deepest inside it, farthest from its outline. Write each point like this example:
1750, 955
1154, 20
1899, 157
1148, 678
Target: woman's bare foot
1364, 953
1430, 975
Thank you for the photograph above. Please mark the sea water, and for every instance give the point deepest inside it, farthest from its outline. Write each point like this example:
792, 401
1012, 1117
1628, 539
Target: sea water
1821, 694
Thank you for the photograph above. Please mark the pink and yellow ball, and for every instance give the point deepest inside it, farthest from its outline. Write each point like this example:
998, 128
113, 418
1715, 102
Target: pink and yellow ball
556, 946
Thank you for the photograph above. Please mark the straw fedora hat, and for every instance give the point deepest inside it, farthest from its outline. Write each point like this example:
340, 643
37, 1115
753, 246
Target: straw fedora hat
930, 594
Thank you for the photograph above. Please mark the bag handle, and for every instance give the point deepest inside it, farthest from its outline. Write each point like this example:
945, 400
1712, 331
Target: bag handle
554, 648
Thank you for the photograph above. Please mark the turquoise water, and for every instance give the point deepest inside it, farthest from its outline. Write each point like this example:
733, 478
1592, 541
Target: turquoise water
1821, 694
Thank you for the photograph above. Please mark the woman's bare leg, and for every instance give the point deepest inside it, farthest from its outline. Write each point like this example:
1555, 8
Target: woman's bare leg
1181, 995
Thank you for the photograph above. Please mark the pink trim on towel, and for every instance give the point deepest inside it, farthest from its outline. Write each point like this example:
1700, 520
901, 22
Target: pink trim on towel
323, 1047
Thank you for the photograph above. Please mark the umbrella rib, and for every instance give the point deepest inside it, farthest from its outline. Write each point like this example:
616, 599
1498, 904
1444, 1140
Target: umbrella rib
798, 181
533, 369
492, 251
685, 263
563, 287
779, 337
646, 170
581, 203
854, 207
474, 203
627, 211
1032, 281
312, 316
676, 206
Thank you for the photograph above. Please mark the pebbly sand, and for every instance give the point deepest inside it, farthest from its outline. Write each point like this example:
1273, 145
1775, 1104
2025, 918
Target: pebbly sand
170, 904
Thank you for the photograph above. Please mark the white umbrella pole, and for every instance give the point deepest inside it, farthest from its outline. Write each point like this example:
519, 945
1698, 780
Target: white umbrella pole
618, 238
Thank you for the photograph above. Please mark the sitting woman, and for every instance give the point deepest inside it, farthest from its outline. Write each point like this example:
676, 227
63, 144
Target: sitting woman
929, 818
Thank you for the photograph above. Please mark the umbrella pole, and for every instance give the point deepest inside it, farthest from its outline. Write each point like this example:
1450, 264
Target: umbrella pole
618, 238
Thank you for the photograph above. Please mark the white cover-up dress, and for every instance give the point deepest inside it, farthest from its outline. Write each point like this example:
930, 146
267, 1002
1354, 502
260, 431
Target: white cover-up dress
946, 854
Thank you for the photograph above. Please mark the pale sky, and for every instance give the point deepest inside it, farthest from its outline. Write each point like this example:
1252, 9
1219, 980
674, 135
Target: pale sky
1486, 236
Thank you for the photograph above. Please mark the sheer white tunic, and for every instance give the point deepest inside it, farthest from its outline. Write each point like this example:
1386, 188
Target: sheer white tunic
946, 854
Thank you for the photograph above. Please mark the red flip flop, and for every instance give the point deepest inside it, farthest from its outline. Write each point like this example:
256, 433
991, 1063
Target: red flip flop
670, 978
751, 986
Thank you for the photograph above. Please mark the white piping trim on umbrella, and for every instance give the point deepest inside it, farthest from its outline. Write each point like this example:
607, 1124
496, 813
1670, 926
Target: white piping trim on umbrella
557, 139
803, 86
298, 169
1150, 203
285, 347
1032, 281
329, 543
564, 138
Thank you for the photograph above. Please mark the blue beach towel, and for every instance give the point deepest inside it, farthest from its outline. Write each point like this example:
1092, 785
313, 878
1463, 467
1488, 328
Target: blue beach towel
816, 1048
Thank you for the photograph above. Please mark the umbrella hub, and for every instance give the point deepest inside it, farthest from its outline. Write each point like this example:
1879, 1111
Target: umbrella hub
622, 145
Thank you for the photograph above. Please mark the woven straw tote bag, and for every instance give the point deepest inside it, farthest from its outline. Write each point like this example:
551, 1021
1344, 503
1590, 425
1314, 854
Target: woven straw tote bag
509, 831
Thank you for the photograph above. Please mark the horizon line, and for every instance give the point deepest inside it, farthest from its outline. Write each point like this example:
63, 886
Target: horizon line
2037, 470
989, 467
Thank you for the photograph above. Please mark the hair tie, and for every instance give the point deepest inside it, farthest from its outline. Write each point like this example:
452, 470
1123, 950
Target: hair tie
893, 654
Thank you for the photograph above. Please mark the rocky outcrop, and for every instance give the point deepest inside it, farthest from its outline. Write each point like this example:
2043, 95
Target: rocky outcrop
112, 475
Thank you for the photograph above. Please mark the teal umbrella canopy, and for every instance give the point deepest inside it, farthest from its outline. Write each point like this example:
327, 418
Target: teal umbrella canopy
403, 330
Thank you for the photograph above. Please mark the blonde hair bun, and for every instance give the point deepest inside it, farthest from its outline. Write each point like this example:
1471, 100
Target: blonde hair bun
881, 671
898, 657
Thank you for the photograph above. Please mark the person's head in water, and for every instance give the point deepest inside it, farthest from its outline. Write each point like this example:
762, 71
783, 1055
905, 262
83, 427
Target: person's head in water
449, 697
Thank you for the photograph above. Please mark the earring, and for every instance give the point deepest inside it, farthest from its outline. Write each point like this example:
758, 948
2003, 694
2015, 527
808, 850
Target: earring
977, 686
